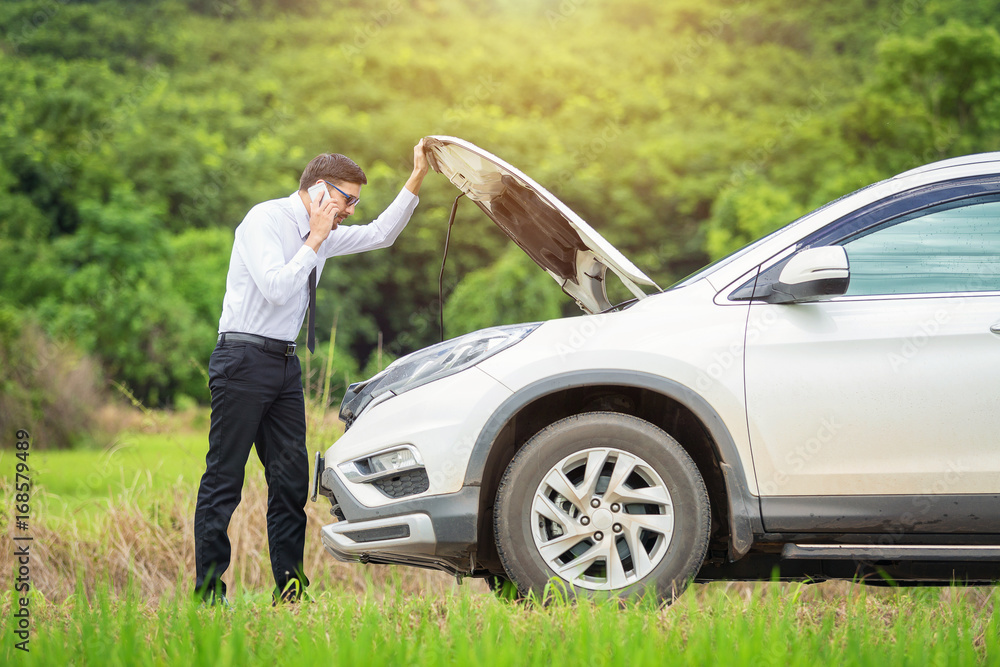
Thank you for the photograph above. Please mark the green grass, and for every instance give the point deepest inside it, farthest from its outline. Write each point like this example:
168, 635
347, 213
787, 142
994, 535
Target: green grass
88, 475
767, 625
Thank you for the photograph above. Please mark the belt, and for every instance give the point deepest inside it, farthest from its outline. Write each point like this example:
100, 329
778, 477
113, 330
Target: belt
269, 344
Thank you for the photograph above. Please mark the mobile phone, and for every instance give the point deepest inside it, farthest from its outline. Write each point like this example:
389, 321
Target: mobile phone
318, 193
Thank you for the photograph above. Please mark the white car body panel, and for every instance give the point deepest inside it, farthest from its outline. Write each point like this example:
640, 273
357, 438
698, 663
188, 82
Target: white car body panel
845, 396
443, 431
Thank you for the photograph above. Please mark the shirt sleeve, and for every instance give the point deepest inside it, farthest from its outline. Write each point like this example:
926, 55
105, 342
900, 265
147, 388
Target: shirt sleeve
380, 233
260, 246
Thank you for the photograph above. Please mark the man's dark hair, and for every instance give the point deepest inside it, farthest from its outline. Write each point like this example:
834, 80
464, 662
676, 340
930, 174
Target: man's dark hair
332, 167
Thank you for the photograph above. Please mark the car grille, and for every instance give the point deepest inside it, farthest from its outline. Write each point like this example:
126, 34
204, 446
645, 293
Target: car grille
404, 484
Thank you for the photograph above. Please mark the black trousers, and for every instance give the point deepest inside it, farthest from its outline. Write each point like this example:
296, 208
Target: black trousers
256, 400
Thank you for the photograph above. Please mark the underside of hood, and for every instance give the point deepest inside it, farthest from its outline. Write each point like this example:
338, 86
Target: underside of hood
555, 237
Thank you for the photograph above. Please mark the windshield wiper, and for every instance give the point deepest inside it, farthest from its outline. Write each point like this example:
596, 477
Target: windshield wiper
623, 304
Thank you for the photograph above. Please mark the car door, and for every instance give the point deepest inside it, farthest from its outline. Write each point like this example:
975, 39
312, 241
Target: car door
880, 409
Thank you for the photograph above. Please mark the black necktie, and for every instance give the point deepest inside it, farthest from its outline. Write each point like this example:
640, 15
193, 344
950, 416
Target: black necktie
311, 336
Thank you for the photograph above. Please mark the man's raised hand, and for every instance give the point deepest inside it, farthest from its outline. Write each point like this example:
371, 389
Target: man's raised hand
420, 168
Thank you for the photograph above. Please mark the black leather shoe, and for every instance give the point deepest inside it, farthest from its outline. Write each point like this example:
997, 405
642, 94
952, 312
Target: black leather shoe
212, 600
291, 596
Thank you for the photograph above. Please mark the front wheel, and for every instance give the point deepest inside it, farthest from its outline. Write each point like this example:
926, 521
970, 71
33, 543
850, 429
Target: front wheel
602, 504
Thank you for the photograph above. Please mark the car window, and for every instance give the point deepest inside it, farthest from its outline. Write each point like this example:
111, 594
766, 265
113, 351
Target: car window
952, 248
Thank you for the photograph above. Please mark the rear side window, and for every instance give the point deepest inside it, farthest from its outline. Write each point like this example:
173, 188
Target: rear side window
951, 248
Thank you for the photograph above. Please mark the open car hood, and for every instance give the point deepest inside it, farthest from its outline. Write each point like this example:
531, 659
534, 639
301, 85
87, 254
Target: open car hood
555, 237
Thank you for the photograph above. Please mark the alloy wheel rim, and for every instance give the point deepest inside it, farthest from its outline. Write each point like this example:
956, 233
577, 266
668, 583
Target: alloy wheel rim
602, 518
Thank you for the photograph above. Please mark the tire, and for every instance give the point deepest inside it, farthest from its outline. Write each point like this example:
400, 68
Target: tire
567, 510
503, 588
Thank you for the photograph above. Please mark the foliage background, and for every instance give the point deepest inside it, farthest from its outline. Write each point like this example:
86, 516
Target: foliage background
135, 136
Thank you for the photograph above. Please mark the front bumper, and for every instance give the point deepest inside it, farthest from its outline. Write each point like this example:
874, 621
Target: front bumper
350, 541
438, 532
431, 524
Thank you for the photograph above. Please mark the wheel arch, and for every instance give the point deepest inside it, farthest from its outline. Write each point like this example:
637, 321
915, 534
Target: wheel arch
674, 407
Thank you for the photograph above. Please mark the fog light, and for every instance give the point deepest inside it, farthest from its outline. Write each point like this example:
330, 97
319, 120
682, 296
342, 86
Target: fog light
398, 459
380, 464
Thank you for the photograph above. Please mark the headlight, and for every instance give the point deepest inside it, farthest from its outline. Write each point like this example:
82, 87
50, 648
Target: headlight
451, 356
432, 363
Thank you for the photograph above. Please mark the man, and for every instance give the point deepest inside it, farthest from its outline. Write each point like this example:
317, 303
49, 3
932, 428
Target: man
254, 375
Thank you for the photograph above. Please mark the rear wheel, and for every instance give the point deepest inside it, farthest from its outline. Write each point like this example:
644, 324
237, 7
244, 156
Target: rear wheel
602, 504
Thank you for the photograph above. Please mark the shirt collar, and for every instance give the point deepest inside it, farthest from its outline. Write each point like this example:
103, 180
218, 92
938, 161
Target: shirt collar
300, 214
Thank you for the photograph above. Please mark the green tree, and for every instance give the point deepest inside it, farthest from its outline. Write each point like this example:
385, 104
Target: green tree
746, 213
512, 290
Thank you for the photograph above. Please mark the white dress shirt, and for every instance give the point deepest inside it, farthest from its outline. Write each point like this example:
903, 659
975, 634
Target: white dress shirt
266, 288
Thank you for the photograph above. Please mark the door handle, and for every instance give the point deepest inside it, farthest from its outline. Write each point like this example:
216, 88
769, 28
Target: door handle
995, 328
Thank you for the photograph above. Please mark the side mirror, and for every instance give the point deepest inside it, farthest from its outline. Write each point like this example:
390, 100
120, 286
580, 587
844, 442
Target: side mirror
812, 274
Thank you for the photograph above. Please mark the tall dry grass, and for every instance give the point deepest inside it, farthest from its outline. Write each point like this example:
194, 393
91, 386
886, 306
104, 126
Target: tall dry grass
152, 544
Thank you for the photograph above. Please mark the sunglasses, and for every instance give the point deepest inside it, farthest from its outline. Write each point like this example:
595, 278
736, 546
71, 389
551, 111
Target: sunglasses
351, 199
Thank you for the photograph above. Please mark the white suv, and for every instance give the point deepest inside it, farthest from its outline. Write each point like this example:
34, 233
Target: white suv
824, 403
